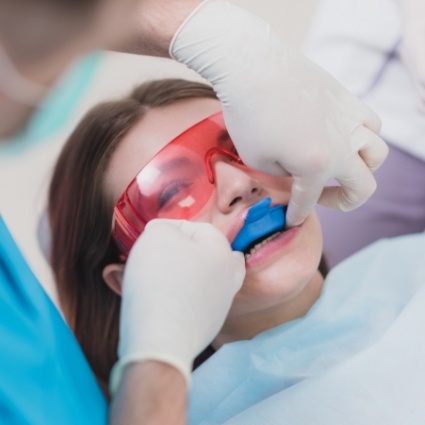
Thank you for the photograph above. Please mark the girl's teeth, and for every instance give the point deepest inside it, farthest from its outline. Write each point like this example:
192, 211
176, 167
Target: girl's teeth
259, 245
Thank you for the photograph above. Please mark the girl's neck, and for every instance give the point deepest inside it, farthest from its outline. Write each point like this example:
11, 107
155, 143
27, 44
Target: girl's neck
247, 326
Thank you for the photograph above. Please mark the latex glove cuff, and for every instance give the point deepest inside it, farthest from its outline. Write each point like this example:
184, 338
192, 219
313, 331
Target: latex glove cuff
118, 369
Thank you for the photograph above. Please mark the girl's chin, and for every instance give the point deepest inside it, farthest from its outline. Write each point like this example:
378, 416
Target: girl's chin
273, 296
283, 279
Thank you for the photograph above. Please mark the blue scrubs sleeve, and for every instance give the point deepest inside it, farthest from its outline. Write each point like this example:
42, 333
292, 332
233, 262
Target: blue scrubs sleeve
44, 376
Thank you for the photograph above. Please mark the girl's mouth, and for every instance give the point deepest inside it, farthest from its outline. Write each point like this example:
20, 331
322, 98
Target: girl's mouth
252, 248
263, 223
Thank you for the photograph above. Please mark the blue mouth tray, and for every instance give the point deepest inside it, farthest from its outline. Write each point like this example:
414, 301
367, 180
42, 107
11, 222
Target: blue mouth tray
261, 219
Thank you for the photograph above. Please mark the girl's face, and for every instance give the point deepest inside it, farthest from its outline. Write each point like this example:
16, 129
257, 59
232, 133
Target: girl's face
279, 271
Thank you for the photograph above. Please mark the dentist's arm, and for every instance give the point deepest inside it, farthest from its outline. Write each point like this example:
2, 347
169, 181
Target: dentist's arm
150, 393
179, 284
154, 25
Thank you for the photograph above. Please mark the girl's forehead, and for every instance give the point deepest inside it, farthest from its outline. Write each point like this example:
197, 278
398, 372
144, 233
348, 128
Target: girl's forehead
155, 130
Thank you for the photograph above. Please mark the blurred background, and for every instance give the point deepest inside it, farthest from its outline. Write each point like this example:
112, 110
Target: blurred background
24, 178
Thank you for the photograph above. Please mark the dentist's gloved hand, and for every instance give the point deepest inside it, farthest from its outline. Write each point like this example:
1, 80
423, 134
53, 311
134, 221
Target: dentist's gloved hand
413, 45
179, 283
284, 113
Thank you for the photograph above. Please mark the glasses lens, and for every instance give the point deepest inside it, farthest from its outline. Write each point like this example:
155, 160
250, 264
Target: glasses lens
175, 183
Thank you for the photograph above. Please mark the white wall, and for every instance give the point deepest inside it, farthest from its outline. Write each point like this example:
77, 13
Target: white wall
23, 180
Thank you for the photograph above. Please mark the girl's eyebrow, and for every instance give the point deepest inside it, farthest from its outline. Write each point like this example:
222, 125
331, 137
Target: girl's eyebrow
222, 138
174, 163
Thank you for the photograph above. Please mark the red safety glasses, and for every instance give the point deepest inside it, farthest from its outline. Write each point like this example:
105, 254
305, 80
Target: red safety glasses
176, 183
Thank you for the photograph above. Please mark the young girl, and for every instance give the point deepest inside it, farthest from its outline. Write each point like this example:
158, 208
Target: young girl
284, 327
90, 177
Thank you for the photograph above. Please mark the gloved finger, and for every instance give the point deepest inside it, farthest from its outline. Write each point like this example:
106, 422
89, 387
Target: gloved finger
184, 227
356, 187
239, 271
195, 231
206, 232
371, 119
156, 231
202, 231
304, 195
373, 150
162, 222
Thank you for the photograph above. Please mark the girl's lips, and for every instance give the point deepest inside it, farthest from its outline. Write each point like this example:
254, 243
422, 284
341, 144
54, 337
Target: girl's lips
236, 225
265, 252
238, 222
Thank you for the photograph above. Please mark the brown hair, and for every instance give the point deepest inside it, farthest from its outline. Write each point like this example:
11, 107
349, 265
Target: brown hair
80, 215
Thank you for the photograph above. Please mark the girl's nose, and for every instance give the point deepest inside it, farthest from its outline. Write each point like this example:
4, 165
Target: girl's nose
234, 185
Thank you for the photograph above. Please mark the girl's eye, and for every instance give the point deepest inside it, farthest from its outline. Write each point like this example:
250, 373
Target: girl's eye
173, 192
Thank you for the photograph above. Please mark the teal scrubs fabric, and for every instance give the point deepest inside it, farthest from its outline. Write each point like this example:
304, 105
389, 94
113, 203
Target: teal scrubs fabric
57, 108
44, 376
357, 357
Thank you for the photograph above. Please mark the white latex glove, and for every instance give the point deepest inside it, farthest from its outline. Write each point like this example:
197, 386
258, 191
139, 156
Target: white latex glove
413, 45
179, 282
284, 113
